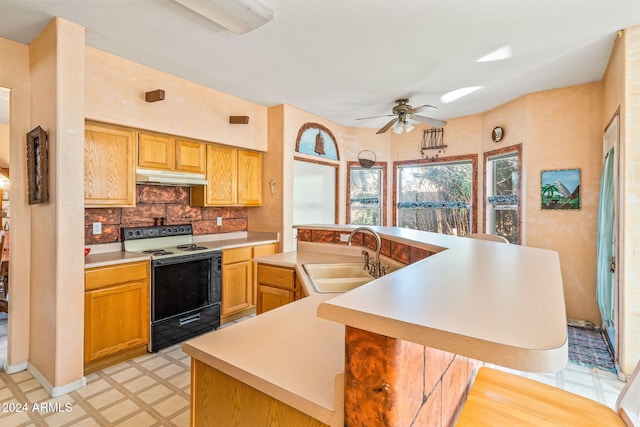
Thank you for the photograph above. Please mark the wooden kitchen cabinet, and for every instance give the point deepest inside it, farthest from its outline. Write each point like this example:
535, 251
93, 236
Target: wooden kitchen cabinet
234, 178
116, 313
109, 166
237, 273
249, 178
164, 152
239, 279
277, 286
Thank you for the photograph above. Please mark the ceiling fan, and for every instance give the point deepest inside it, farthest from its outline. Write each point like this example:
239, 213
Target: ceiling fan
403, 111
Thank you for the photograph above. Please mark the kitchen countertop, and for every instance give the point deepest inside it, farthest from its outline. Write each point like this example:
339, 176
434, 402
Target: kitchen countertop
274, 351
490, 301
110, 254
494, 302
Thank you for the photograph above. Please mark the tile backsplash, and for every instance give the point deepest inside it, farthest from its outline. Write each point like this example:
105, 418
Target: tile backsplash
155, 202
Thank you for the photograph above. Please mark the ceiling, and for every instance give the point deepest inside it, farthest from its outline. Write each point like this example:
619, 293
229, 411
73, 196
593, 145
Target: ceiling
347, 59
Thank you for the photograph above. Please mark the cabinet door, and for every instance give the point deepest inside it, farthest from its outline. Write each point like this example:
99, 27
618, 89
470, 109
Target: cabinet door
249, 178
109, 166
236, 287
222, 163
156, 152
260, 250
116, 319
191, 156
270, 298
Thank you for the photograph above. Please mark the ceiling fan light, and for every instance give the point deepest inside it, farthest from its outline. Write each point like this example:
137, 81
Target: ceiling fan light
408, 127
398, 128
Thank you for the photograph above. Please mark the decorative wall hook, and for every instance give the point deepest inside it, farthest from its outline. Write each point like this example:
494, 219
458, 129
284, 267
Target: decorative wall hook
272, 185
154, 95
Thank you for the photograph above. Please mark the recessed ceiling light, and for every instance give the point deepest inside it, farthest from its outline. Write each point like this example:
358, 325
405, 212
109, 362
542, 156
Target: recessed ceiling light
499, 54
458, 93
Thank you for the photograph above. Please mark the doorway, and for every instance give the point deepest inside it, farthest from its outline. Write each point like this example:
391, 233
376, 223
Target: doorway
4, 230
607, 289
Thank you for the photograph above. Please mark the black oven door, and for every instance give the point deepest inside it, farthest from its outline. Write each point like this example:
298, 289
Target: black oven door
184, 284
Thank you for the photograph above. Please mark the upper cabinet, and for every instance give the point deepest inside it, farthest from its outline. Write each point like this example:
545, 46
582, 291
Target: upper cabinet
109, 166
249, 178
168, 153
234, 178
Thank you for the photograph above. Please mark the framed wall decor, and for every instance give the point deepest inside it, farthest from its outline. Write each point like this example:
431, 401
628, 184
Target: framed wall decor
560, 189
38, 166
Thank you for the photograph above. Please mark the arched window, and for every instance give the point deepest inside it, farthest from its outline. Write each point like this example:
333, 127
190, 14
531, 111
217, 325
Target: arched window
316, 140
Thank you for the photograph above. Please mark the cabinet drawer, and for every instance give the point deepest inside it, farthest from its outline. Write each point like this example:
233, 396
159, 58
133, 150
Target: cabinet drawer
111, 275
267, 249
230, 256
276, 276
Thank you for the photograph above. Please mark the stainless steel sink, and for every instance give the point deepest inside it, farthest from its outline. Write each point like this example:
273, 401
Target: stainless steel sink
339, 277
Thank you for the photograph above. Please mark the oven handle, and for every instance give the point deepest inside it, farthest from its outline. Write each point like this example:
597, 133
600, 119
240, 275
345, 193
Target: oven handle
189, 319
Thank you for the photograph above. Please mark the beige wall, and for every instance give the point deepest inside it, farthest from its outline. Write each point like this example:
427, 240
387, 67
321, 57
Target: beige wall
115, 93
14, 74
4, 145
630, 241
287, 121
564, 131
57, 278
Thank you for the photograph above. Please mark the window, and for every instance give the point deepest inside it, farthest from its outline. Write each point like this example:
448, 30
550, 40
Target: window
436, 196
502, 207
366, 194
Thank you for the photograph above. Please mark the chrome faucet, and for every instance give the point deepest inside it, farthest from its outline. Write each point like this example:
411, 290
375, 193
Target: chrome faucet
374, 266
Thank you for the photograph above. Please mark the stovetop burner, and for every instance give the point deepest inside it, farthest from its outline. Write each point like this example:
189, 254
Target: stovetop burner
157, 252
190, 247
166, 241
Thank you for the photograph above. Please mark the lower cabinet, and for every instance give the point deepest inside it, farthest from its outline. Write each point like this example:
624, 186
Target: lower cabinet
116, 313
237, 294
238, 280
277, 286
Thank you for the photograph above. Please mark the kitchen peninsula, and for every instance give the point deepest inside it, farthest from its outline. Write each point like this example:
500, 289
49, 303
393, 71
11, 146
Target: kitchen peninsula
412, 342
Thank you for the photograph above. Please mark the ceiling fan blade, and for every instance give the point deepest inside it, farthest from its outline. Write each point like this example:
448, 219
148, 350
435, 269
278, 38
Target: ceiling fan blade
428, 120
388, 126
425, 107
375, 117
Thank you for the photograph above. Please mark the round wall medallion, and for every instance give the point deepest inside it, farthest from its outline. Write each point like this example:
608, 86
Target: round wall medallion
497, 134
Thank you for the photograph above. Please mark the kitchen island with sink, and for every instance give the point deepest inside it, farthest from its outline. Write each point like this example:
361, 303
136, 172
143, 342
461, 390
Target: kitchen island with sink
403, 347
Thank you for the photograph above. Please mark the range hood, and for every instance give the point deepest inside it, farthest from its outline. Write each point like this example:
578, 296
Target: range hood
150, 176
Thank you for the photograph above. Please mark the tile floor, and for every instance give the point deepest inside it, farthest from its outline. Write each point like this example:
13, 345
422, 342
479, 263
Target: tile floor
153, 390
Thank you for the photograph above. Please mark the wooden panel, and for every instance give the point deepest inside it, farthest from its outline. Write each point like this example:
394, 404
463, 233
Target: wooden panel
221, 177
109, 168
270, 298
114, 274
156, 152
116, 319
191, 156
262, 250
276, 276
499, 398
218, 400
236, 287
249, 178
115, 358
244, 253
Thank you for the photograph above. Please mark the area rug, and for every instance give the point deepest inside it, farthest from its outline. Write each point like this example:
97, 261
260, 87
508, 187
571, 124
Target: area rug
589, 347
